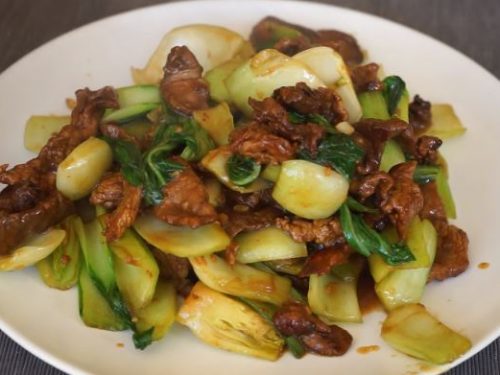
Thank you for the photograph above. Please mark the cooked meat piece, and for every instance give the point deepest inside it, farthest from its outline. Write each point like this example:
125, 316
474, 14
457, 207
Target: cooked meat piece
395, 193
84, 124
405, 199
175, 269
320, 262
451, 256
292, 46
327, 232
426, 149
375, 133
272, 32
253, 200
376, 184
185, 201
109, 192
272, 116
345, 44
420, 114
235, 222
115, 131
19, 198
304, 100
255, 141
433, 208
295, 319
18, 226
182, 86
122, 218
365, 78
31, 213
265, 34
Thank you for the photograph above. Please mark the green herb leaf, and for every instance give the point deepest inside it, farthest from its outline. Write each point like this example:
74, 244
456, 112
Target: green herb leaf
242, 170
425, 173
354, 205
143, 339
338, 151
367, 241
394, 88
298, 118
129, 157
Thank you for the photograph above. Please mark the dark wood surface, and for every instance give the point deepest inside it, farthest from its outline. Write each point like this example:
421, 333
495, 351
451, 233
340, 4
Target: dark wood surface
470, 26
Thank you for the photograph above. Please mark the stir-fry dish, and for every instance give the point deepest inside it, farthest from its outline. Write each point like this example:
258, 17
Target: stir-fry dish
251, 190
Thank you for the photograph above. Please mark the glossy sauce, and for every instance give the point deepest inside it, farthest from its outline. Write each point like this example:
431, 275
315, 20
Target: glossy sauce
367, 298
483, 265
368, 349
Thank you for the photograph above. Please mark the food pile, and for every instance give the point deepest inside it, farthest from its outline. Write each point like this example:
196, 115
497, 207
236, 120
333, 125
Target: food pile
244, 189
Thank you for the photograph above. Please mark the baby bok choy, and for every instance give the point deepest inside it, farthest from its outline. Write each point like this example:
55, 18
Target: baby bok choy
181, 241
61, 268
33, 250
411, 329
241, 280
266, 71
39, 129
228, 324
333, 296
268, 244
310, 190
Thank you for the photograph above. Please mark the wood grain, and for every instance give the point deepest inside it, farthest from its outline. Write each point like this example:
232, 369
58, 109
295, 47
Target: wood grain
468, 25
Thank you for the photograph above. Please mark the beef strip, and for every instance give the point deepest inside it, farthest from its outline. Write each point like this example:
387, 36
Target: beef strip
175, 269
122, 218
254, 141
320, 262
426, 149
182, 86
38, 205
295, 319
420, 114
433, 208
365, 78
264, 35
84, 124
327, 232
451, 256
395, 193
374, 135
405, 199
235, 222
18, 226
304, 100
185, 201
346, 45
109, 192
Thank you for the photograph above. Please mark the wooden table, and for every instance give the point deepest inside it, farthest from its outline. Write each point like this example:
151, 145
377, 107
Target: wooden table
468, 25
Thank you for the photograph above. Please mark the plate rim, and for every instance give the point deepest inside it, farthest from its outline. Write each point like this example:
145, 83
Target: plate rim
66, 366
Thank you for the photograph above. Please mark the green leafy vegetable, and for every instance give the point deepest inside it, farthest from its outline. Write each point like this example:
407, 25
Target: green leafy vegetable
298, 118
394, 87
143, 339
367, 241
354, 205
425, 173
275, 31
338, 151
129, 157
242, 170
266, 310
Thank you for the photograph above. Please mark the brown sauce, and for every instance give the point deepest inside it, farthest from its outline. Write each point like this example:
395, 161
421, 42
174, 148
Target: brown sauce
367, 298
368, 349
120, 345
483, 265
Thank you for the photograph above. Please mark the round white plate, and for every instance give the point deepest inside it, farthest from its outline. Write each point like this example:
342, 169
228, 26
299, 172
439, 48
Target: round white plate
46, 321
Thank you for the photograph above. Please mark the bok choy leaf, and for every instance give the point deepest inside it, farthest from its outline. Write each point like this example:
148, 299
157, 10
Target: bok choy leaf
367, 241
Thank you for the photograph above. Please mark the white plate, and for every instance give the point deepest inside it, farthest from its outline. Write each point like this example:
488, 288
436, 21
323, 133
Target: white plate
46, 321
